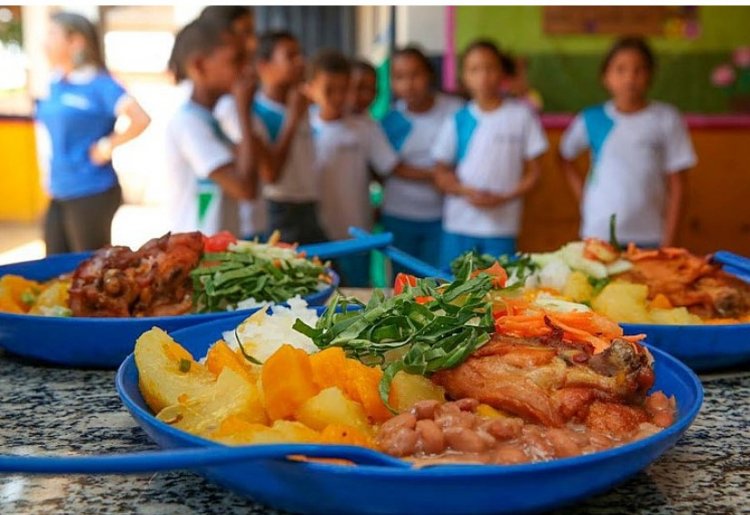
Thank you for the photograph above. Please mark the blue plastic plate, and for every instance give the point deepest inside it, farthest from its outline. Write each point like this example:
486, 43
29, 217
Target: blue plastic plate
92, 342
322, 488
701, 347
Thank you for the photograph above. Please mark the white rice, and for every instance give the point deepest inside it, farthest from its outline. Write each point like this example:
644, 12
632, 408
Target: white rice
263, 333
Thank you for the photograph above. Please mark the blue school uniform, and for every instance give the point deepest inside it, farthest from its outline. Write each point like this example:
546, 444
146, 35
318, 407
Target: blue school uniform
81, 109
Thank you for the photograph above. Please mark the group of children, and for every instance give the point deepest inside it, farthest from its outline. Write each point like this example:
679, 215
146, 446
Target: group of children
267, 142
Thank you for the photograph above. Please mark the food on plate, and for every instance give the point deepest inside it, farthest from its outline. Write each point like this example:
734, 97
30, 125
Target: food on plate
438, 373
172, 275
659, 286
151, 281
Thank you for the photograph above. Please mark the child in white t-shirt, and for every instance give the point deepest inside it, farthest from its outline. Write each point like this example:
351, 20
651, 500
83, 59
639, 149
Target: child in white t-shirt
363, 88
346, 145
291, 183
207, 174
639, 151
412, 203
481, 153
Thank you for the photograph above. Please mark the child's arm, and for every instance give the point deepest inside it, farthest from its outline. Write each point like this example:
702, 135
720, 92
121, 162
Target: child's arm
573, 177
413, 173
528, 181
573, 142
239, 179
675, 194
277, 153
447, 181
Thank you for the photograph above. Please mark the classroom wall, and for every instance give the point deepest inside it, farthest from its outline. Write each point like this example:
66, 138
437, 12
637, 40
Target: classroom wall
565, 68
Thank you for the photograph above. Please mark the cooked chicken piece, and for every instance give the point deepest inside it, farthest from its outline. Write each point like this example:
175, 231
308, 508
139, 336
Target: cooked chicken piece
152, 281
690, 281
549, 384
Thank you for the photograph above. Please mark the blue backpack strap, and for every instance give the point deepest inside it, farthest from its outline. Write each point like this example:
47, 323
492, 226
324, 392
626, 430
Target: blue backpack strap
598, 126
272, 120
466, 123
397, 128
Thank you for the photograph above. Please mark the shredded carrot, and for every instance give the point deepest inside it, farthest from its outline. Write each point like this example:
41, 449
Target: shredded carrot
578, 327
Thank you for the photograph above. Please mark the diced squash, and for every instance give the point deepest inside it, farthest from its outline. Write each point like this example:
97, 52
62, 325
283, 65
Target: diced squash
359, 382
660, 301
287, 379
167, 372
362, 386
329, 367
221, 356
8, 306
487, 411
331, 406
14, 287
408, 389
337, 434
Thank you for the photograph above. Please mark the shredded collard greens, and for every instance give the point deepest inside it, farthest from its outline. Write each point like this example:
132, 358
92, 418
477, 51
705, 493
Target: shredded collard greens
225, 278
426, 328
518, 267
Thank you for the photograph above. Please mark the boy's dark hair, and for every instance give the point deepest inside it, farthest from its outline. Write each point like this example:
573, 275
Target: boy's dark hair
417, 53
634, 43
330, 61
268, 41
199, 37
507, 64
225, 15
363, 65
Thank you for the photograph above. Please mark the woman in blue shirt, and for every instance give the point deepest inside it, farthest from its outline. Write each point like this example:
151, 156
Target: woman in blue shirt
80, 113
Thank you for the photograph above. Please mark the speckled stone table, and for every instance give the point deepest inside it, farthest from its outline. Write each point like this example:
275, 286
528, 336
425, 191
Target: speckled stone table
53, 410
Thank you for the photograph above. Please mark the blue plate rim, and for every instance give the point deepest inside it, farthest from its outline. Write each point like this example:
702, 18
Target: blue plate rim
683, 421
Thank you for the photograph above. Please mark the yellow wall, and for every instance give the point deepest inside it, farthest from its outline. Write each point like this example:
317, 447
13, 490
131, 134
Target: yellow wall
21, 195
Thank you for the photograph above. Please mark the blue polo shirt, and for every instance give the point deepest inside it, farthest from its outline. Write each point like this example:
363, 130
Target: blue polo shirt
79, 111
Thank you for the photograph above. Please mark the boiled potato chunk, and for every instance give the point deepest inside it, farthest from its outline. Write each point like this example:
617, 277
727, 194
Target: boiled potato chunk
674, 316
231, 396
53, 295
623, 302
332, 407
578, 288
167, 372
408, 389
234, 432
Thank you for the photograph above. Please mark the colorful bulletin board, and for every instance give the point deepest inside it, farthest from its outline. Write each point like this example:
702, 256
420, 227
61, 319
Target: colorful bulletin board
673, 21
563, 48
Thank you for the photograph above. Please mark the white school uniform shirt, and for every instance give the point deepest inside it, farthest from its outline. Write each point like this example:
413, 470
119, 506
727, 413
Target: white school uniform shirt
345, 150
489, 150
253, 213
195, 147
632, 155
412, 136
298, 181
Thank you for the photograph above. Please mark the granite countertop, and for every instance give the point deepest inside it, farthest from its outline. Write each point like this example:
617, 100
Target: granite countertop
49, 410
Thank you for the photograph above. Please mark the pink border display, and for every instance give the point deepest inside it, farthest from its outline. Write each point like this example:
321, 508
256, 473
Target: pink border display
449, 57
